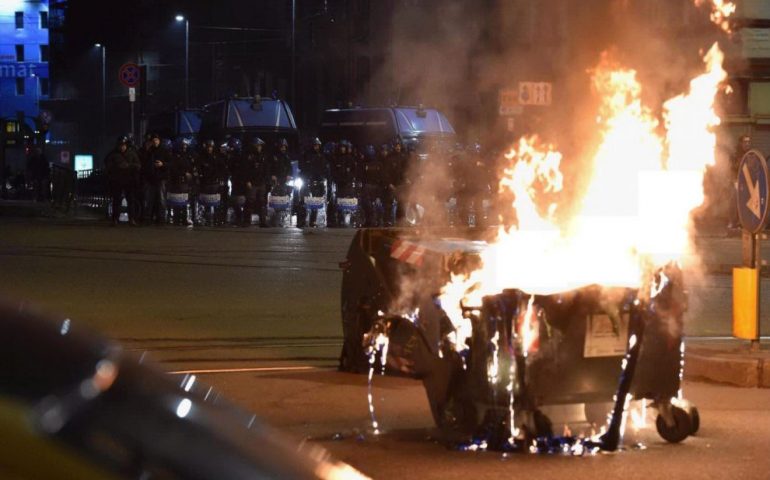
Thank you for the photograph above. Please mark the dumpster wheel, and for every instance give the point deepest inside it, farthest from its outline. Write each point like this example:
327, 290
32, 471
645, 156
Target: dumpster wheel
679, 426
692, 412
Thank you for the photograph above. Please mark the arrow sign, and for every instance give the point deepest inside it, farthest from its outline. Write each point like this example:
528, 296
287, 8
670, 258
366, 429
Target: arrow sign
753, 191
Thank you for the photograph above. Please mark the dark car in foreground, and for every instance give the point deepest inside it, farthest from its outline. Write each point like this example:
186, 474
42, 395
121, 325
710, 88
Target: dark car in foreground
73, 405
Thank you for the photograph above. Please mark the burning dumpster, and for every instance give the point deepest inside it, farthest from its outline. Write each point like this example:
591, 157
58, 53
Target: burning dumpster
597, 347
578, 298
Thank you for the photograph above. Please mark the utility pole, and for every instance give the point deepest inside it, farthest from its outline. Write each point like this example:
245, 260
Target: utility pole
293, 53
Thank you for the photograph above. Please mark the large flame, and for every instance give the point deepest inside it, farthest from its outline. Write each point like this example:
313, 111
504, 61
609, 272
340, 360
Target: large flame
646, 176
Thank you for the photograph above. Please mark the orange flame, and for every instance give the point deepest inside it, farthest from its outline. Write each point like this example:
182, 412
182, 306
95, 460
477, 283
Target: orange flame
633, 216
721, 11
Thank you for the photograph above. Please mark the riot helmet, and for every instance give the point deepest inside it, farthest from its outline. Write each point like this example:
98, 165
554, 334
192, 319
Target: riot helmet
234, 144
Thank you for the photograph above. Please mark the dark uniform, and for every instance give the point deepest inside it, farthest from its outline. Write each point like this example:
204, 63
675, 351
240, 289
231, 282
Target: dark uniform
313, 170
180, 178
122, 166
255, 175
154, 175
343, 170
472, 184
212, 172
375, 175
279, 167
397, 190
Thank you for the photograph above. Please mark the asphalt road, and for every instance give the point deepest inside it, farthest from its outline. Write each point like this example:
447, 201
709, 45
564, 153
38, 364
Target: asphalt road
331, 408
169, 287
256, 314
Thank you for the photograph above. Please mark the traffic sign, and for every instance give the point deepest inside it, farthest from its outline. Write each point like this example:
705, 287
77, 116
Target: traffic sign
132, 94
753, 188
535, 93
129, 74
509, 102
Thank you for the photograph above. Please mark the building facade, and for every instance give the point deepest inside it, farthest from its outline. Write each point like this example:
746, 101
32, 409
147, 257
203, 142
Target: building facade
24, 56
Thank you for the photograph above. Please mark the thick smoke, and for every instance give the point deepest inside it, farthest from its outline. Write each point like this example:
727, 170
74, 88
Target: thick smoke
456, 56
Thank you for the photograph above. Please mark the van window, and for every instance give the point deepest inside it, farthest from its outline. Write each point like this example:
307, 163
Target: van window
432, 122
267, 113
189, 122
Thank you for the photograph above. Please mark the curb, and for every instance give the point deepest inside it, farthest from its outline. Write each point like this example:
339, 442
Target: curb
741, 370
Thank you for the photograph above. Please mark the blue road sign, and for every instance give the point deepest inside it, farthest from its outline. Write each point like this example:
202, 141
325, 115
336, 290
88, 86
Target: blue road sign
752, 191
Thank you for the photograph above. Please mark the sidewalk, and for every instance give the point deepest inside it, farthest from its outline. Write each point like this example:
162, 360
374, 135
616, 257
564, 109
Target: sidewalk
30, 209
727, 361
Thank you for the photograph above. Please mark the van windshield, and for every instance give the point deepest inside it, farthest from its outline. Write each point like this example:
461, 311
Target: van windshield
267, 113
432, 122
189, 122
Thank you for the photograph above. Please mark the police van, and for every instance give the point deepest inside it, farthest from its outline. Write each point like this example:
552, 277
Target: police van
181, 122
246, 117
378, 125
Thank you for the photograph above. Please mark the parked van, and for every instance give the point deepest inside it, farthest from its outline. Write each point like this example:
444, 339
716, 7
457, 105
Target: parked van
378, 125
177, 123
246, 117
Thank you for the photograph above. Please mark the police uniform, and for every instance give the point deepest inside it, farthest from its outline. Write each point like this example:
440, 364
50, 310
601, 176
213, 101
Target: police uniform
374, 174
180, 177
343, 172
256, 175
122, 170
313, 170
154, 175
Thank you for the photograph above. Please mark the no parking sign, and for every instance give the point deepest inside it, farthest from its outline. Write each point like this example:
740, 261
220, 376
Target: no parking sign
129, 75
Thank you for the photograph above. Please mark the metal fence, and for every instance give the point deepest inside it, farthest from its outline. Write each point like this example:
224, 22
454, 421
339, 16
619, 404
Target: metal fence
91, 189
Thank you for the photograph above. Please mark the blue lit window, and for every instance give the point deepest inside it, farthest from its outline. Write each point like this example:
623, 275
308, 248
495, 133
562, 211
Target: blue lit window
19, 53
43, 19
20, 90
19, 19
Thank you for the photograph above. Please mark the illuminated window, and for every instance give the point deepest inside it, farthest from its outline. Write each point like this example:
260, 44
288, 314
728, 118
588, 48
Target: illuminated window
19, 19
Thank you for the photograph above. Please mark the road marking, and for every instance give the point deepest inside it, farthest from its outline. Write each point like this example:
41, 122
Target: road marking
244, 370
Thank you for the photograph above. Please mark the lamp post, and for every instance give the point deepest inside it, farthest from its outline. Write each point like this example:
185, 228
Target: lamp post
181, 18
293, 53
103, 48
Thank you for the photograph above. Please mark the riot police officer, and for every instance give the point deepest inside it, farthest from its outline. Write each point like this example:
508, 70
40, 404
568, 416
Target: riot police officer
397, 190
180, 179
472, 186
154, 174
374, 176
236, 166
313, 170
212, 172
343, 172
122, 166
280, 165
255, 175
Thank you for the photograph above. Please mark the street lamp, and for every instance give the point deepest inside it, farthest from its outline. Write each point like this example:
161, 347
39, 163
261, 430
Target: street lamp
180, 18
104, 89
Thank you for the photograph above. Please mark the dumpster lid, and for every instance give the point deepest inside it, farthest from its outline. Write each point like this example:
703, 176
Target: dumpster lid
413, 251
